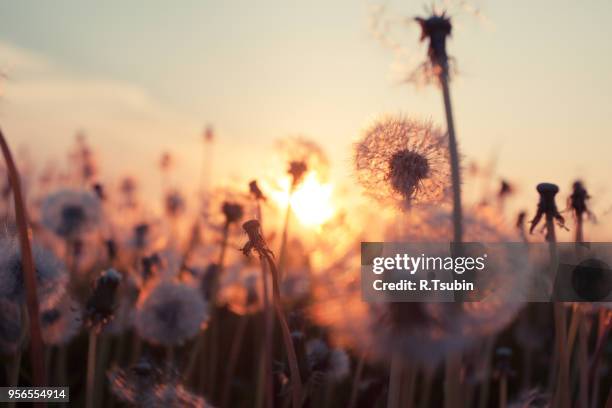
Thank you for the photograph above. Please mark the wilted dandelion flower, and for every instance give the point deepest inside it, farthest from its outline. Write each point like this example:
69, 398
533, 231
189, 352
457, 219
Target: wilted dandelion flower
333, 363
170, 313
51, 275
11, 331
62, 322
70, 213
403, 161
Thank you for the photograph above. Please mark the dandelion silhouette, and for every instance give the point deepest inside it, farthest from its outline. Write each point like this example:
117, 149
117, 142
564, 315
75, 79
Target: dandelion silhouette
100, 306
402, 162
548, 208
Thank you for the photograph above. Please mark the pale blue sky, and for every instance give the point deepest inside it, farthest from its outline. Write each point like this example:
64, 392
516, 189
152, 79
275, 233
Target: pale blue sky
535, 82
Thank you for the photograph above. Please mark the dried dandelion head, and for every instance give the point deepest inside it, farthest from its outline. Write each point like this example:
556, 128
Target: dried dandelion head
436, 29
209, 134
303, 155
170, 313
256, 191
403, 161
547, 207
71, 213
174, 203
578, 200
233, 212
100, 306
296, 170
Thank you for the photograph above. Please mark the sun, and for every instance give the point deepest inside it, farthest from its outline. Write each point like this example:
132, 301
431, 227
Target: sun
311, 202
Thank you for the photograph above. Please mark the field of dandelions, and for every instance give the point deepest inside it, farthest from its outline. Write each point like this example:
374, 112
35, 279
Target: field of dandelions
219, 296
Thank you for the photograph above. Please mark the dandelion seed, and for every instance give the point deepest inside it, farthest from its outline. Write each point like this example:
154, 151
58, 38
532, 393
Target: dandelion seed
71, 213
170, 313
402, 161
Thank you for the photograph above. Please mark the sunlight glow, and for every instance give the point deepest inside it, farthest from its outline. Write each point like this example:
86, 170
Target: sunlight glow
311, 202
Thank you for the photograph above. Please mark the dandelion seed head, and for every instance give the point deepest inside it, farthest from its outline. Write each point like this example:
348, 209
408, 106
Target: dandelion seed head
402, 162
51, 274
334, 363
170, 313
71, 213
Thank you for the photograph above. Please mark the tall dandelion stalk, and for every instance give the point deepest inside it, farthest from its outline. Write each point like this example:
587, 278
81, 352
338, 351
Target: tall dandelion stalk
258, 244
547, 208
436, 29
37, 355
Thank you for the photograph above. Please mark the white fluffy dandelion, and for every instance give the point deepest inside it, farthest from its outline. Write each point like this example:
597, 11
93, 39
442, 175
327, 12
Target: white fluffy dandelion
170, 313
403, 161
70, 213
51, 275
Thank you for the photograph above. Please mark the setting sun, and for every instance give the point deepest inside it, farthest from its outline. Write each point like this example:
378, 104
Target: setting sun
311, 202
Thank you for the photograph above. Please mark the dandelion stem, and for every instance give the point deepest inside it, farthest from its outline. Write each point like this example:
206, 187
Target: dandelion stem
483, 398
282, 253
91, 369
296, 381
603, 331
233, 358
36, 343
503, 392
357, 380
268, 384
13, 372
454, 157
583, 364
427, 387
452, 392
562, 394
394, 392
